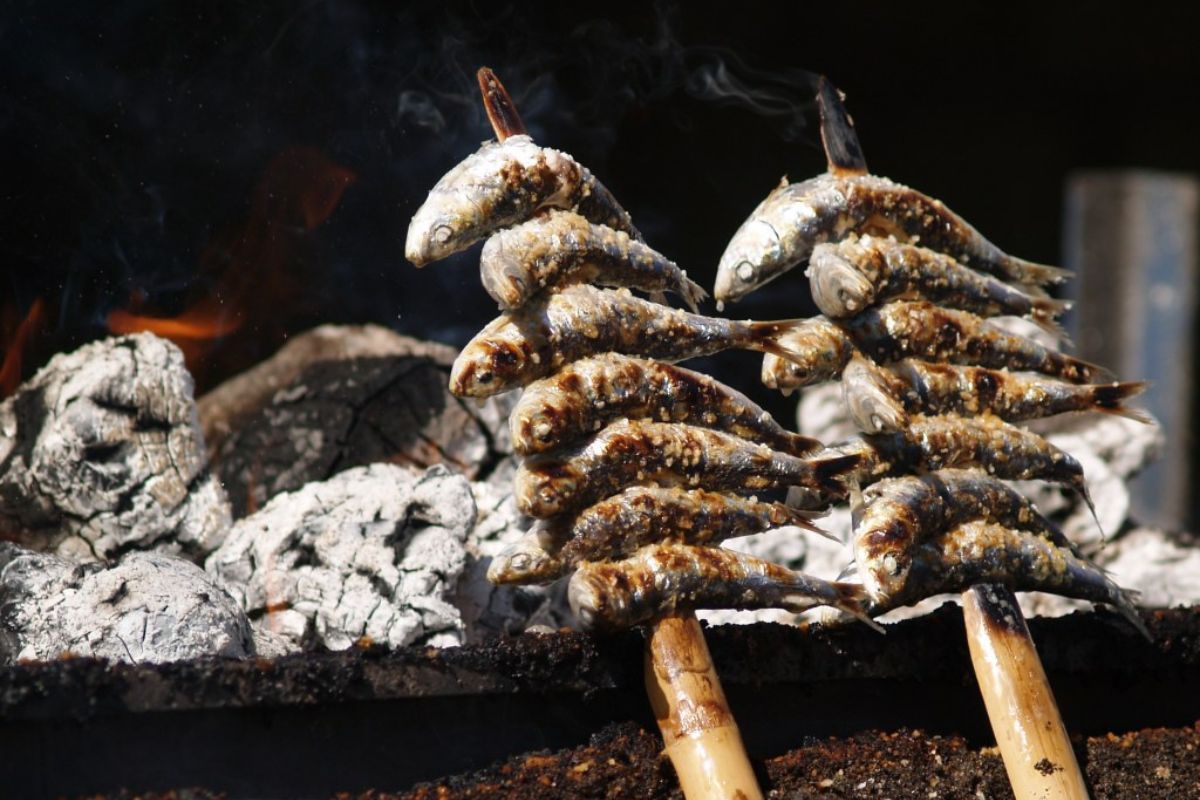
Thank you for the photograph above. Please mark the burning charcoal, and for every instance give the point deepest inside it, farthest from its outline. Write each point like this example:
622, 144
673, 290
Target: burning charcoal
374, 551
148, 607
102, 453
374, 396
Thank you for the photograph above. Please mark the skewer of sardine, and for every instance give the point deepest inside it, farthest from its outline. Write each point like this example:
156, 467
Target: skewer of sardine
554, 329
664, 578
862, 271
499, 185
986, 552
640, 515
819, 349
880, 398
947, 442
585, 395
560, 247
629, 453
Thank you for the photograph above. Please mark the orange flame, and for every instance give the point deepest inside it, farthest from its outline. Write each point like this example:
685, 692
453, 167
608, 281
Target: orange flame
14, 337
250, 266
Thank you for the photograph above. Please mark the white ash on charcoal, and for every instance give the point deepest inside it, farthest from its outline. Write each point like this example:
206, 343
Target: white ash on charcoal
490, 609
373, 552
147, 607
374, 397
101, 453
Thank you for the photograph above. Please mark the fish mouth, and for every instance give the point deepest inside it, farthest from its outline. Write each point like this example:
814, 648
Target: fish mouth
750, 260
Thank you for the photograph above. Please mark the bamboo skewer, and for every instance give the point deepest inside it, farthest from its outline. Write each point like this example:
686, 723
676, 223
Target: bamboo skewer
1029, 730
701, 737
702, 740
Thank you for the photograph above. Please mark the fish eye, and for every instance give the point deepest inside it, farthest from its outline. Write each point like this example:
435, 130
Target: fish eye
891, 565
745, 271
442, 234
520, 562
484, 376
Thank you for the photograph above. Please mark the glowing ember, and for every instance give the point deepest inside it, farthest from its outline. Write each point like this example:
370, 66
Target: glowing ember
14, 337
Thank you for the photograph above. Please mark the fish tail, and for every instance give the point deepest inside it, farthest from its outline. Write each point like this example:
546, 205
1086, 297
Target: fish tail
1108, 398
851, 599
1047, 322
1084, 371
802, 519
1039, 274
1125, 604
693, 294
800, 445
765, 336
1049, 308
1082, 489
829, 473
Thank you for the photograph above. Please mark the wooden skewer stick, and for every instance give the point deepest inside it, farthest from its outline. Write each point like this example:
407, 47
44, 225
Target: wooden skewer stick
702, 739
1029, 730
501, 111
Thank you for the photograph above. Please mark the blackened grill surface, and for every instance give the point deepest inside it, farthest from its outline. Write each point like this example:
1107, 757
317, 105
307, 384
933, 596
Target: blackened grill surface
364, 719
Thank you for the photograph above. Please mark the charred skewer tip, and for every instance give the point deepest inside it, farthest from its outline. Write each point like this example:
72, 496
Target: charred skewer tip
1029, 730
501, 110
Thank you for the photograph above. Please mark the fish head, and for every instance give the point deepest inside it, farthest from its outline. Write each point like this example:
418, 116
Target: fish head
493, 362
872, 406
838, 288
501, 272
814, 351
542, 425
524, 561
593, 605
545, 486
752, 257
884, 553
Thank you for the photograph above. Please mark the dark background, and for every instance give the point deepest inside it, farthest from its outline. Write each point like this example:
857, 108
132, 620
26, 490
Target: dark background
164, 157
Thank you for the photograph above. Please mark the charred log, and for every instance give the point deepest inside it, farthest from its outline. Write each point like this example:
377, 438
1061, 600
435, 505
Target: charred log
367, 396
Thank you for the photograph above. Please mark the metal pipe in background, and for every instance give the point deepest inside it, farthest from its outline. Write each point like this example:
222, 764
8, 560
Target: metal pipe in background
1131, 238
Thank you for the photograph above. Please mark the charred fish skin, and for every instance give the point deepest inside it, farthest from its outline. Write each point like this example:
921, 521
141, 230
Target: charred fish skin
586, 394
641, 515
954, 389
561, 247
783, 230
631, 453
1000, 449
536, 340
987, 552
861, 271
661, 579
501, 184
917, 329
820, 349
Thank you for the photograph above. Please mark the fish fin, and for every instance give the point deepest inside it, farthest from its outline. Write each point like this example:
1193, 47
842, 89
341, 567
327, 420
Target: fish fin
1107, 398
1087, 498
693, 294
847, 571
801, 445
850, 600
856, 505
1054, 328
801, 498
842, 150
659, 297
1039, 274
829, 473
